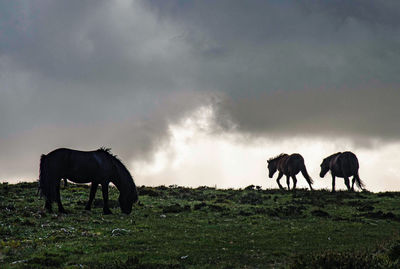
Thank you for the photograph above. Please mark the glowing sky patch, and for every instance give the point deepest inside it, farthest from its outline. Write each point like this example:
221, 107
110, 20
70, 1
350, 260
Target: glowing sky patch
196, 156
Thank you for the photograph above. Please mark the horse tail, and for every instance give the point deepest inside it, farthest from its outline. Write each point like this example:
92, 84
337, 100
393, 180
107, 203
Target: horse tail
355, 165
359, 182
45, 185
306, 175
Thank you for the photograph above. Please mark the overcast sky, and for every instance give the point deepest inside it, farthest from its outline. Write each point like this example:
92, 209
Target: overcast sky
212, 81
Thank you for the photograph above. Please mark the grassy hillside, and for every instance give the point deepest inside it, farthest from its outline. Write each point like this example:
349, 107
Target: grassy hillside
195, 228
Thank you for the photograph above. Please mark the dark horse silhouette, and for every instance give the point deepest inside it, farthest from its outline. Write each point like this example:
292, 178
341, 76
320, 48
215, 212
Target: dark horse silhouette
290, 166
97, 167
342, 164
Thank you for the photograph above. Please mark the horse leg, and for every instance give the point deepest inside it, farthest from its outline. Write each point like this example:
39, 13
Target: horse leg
93, 189
278, 180
352, 183
294, 182
347, 182
47, 205
106, 209
49, 201
288, 182
58, 197
333, 183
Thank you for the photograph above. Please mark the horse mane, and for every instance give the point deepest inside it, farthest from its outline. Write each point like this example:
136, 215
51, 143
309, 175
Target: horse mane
119, 166
113, 156
277, 157
106, 150
333, 155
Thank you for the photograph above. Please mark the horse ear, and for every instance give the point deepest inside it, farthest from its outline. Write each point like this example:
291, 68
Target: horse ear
268, 161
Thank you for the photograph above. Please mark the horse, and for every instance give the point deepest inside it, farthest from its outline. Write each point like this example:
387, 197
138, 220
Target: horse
290, 166
342, 164
98, 167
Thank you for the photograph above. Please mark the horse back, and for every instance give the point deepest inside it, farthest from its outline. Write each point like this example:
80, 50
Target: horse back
291, 164
80, 166
296, 157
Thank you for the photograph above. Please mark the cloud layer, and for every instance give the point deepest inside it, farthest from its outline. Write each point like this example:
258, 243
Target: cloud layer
87, 74
303, 68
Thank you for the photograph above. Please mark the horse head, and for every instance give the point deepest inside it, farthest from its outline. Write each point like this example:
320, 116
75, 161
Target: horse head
126, 200
324, 167
272, 167
127, 189
127, 196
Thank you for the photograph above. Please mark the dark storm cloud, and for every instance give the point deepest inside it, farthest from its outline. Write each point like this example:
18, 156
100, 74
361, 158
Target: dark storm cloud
93, 73
85, 75
297, 67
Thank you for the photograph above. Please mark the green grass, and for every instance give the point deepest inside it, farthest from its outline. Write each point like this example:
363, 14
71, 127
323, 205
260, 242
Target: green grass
178, 227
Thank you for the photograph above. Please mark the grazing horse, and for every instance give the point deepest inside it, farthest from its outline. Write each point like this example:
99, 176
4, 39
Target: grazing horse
290, 166
98, 167
342, 164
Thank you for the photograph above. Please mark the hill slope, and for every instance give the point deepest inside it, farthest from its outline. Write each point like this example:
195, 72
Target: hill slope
195, 228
